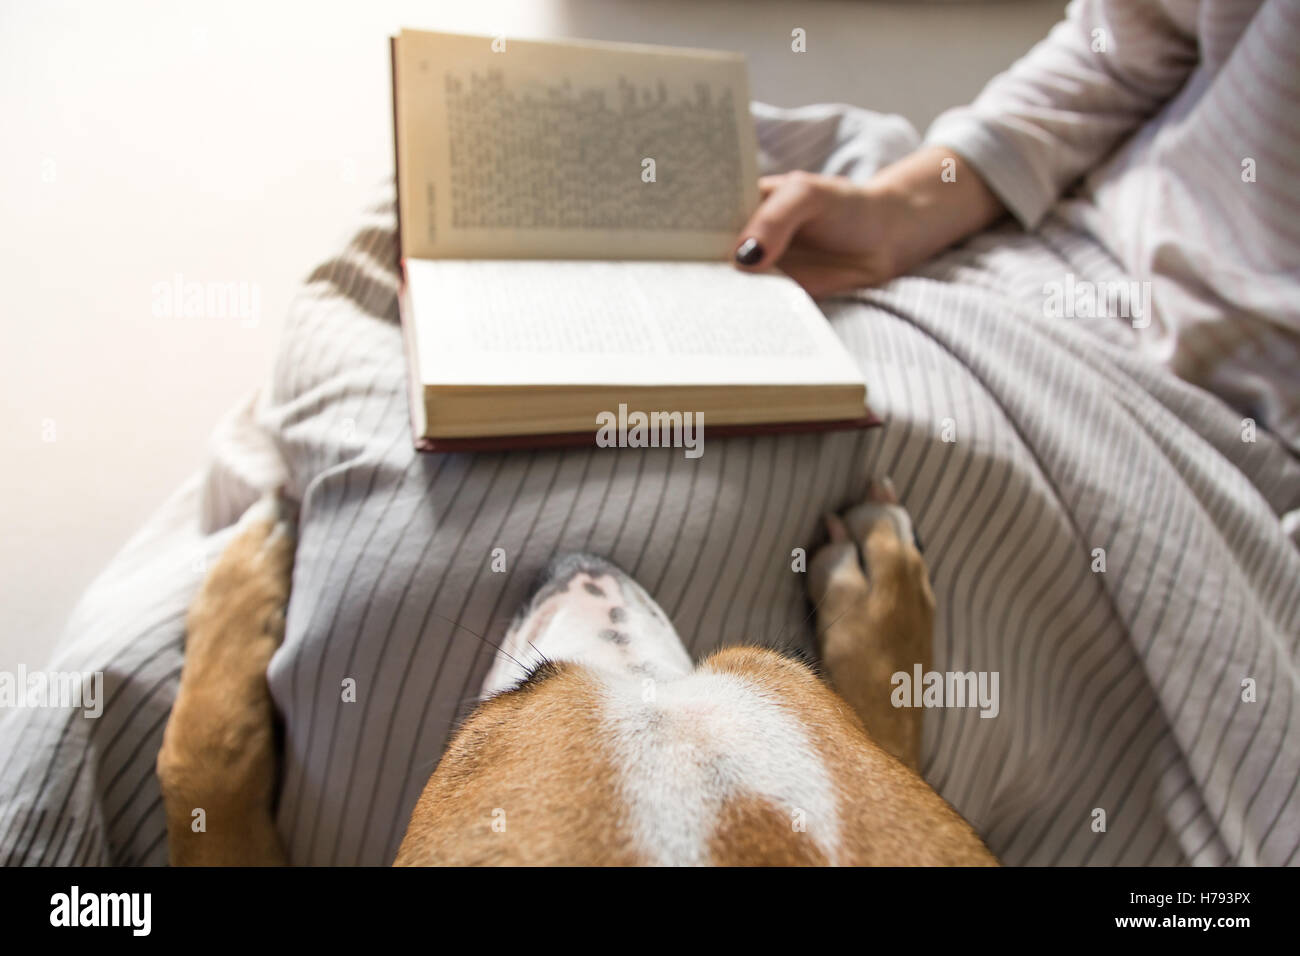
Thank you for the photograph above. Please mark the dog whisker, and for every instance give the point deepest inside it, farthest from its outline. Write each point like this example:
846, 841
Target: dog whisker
498, 647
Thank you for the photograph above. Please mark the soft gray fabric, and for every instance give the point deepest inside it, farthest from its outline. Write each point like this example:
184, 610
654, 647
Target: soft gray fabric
1173, 123
1119, 690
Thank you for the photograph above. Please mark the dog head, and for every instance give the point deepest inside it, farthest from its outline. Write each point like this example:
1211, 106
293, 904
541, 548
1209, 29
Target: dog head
599, 742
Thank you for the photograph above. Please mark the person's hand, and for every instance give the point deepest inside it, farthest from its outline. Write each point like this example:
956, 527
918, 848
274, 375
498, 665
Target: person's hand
828, 233
831, 234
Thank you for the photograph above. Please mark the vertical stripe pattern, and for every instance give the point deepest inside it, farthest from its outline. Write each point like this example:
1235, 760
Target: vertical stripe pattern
1021, 444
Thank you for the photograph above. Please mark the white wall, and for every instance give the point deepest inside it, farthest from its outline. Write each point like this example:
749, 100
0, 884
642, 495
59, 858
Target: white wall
236, 142
903, 57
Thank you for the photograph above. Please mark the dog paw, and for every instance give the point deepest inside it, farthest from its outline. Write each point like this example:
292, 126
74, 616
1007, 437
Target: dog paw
871, 550
267, 530
875, 614
835, 570
244, 595
881, 505
218, 746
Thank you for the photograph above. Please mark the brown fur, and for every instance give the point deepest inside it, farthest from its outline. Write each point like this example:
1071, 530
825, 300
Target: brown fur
750, 831
888, 815
218, 750
529, 780
533, 754
871, 629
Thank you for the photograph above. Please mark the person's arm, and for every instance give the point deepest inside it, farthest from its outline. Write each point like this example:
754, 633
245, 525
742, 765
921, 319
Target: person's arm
1033, 131
832, 234
1100, 73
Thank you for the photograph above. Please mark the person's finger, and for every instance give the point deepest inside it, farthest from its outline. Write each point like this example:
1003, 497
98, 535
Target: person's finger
821, 280
790, 204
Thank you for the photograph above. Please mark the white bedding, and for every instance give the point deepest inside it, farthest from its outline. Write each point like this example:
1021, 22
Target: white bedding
1121, 690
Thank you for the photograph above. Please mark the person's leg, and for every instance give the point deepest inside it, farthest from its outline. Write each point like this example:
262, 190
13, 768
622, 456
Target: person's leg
410, 566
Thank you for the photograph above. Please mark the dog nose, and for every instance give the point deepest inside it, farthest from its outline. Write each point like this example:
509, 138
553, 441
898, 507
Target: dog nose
560, 572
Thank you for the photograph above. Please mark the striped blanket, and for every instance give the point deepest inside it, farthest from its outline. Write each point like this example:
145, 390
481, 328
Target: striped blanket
1105, 537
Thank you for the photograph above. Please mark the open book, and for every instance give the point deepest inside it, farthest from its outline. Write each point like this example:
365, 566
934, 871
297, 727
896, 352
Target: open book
567, 212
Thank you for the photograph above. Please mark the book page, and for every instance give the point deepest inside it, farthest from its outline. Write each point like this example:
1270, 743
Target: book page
567, 322
527, 149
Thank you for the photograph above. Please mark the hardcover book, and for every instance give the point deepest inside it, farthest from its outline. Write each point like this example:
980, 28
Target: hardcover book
567, 213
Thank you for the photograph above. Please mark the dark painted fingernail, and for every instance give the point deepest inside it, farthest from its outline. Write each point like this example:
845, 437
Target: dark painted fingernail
750, 252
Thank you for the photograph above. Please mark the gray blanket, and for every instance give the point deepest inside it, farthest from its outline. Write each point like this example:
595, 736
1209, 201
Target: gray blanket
1099, 534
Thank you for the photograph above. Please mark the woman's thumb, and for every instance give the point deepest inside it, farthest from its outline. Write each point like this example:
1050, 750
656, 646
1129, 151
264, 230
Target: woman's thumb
785, 207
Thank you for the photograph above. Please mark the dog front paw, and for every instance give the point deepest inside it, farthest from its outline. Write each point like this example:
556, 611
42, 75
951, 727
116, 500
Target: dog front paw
874, 614
870, 569
835, 572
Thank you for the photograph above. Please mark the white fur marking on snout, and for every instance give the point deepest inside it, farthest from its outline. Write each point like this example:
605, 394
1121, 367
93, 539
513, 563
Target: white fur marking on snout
698, 742
575, 625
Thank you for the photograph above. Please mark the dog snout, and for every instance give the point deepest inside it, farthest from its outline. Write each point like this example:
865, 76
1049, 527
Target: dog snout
585, 609
563, 569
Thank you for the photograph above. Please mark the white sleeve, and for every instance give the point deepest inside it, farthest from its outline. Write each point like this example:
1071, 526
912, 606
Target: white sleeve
1058, 111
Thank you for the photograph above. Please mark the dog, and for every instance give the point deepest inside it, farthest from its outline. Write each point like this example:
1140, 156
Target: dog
597, 740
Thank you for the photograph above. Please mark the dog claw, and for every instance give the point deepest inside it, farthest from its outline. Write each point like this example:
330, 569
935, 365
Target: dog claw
882, 490
835, 527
